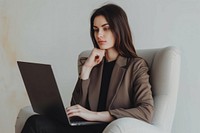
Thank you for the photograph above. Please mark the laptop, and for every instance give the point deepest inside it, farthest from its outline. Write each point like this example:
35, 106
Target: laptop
44, 94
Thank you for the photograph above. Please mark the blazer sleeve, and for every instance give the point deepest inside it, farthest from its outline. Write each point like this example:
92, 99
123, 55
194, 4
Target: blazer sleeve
141, 97
79, 95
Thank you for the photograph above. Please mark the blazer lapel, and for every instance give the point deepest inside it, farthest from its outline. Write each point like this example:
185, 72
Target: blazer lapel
115, 82
116, 79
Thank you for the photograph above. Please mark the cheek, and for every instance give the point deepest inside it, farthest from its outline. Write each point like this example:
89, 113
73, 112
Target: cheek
112, 39
95, 36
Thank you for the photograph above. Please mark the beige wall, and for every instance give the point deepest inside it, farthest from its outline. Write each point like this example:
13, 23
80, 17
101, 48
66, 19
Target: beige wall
55, 32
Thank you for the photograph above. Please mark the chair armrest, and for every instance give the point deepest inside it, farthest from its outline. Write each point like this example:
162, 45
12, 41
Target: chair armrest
23, 115
131, 125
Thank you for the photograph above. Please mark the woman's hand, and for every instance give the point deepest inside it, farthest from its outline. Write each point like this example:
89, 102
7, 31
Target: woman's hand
88, 115
94, 58
82, 112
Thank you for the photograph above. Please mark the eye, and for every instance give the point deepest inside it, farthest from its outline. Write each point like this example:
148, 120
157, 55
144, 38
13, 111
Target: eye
95, 29
106, 28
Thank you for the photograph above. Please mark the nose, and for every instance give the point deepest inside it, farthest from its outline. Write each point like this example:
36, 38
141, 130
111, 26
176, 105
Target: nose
100, 34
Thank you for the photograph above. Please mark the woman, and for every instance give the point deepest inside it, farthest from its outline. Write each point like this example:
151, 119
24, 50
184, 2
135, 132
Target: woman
113, 82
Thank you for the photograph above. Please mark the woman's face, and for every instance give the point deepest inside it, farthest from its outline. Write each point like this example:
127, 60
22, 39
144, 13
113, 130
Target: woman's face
102, 33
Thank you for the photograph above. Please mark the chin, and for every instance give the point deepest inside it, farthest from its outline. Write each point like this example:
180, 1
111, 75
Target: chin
103, 48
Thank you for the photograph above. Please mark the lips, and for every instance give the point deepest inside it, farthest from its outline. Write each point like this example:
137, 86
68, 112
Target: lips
101, 42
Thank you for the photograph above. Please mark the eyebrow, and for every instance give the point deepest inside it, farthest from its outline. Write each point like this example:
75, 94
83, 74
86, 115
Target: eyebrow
101, 25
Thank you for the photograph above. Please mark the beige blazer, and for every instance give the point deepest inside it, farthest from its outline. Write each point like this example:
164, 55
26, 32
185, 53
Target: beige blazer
129, 93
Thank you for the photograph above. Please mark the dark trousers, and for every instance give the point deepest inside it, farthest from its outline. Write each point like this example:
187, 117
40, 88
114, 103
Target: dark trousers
42, 124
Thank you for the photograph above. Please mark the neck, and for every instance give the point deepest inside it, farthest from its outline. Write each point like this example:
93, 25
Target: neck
111, 55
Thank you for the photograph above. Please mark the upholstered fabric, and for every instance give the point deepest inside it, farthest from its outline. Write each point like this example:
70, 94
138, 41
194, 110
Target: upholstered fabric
164, 64
23, 115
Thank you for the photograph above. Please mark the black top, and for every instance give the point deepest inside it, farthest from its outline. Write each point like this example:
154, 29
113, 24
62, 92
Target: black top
106, 76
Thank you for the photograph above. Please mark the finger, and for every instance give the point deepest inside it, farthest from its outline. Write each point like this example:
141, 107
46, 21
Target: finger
101, 52
73, 107
74, 112
97, 57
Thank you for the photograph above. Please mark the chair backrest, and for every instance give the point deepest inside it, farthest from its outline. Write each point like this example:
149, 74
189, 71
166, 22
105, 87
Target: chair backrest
164, 65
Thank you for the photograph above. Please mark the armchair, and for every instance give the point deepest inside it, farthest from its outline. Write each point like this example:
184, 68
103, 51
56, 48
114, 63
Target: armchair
164, 64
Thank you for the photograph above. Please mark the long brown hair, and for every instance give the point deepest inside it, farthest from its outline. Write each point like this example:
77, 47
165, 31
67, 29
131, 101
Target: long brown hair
118, 22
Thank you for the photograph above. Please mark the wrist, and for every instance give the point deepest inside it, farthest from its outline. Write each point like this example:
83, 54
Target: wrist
104, 116
85, 72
